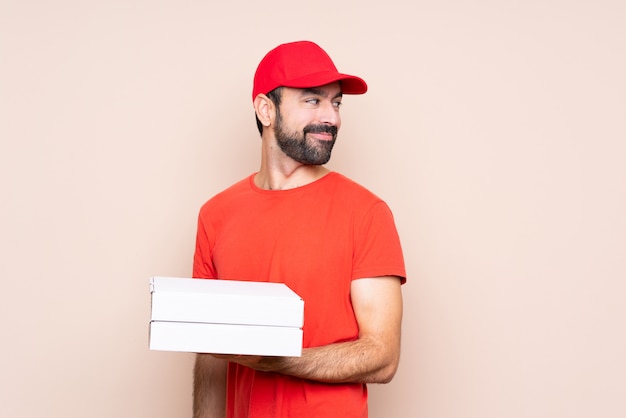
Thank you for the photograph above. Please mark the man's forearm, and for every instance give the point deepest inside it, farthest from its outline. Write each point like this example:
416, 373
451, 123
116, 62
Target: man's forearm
363, 360
366, 360
209, 387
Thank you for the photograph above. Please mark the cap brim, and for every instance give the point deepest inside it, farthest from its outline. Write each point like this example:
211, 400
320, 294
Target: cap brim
350, 84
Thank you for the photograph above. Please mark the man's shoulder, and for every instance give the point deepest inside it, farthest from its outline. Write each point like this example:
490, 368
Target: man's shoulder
236, 191
352, 188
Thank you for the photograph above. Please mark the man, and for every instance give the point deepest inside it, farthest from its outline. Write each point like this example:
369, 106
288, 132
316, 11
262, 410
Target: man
329, 239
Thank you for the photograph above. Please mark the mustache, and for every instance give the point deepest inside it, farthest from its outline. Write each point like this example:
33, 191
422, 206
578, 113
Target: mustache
316, 129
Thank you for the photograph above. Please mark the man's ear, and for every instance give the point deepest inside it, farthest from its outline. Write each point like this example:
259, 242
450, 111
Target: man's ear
264, 109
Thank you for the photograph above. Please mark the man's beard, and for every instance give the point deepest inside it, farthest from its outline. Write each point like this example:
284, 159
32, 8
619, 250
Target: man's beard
306, 151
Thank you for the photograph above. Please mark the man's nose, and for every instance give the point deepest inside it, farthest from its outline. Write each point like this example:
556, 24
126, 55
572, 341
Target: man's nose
329, 114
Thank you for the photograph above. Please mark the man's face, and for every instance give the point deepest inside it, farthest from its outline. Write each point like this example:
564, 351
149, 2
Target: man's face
307, 122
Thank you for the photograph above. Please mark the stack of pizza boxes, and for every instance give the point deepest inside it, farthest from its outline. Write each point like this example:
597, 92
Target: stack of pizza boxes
225, 317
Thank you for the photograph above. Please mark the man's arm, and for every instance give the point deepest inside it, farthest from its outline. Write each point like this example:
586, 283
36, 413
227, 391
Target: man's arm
372, 358
209, 387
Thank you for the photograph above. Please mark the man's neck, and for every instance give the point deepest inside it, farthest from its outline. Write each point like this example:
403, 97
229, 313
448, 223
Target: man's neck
284, 178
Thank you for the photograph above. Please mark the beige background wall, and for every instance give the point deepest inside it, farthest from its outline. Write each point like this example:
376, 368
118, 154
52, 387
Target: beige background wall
495, 130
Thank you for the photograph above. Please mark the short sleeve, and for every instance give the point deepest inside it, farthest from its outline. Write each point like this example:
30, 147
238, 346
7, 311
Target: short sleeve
377, 251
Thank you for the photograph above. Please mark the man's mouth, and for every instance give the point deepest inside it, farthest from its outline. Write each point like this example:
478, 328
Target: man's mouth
321, 132
322, 136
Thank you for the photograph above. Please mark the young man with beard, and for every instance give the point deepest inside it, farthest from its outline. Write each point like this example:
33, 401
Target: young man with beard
329, 239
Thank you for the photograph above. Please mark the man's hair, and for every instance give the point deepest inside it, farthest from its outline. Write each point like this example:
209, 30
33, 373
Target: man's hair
275, 96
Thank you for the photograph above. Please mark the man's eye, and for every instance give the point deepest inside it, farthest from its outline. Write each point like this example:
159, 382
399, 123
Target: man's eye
337, 104
313, 101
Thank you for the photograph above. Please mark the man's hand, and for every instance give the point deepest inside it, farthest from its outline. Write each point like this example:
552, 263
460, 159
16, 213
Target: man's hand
261, 363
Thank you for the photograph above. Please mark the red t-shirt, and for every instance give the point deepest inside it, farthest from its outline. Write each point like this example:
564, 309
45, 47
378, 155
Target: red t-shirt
317, 239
